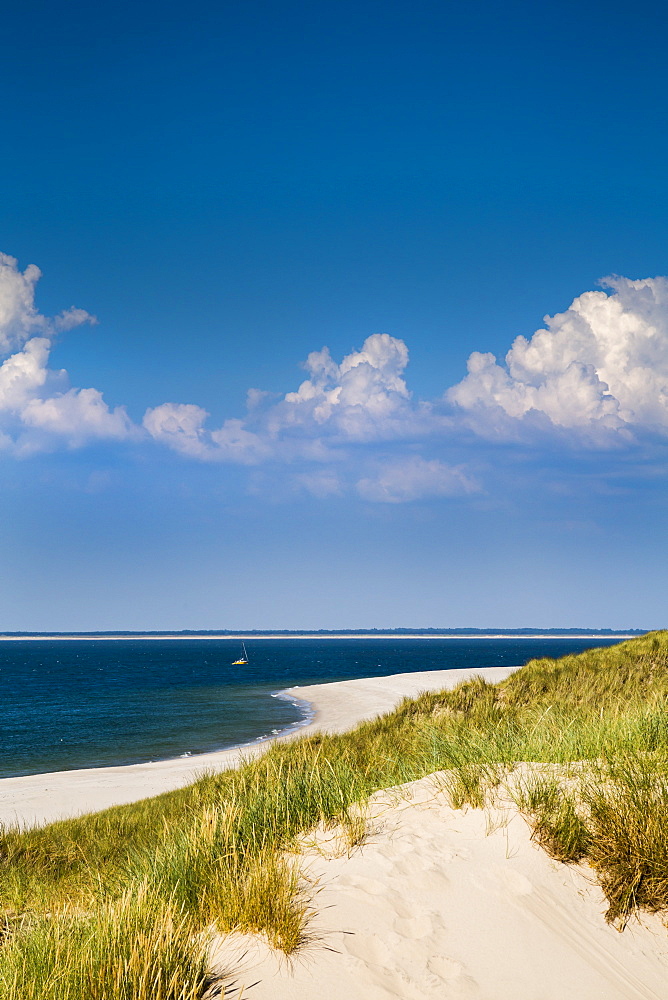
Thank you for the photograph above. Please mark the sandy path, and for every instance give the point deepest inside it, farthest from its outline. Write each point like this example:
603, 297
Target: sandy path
435, 907
42, 798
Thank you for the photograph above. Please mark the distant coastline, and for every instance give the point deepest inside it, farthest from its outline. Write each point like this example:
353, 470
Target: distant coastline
428, 633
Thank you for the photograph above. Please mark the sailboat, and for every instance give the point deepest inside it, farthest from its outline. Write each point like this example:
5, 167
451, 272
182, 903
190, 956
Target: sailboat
244, 658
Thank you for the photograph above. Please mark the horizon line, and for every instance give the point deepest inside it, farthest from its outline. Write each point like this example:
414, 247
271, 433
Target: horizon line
523, 632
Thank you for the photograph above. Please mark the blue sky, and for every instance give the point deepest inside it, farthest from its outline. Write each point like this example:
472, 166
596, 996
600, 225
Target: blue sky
216, 195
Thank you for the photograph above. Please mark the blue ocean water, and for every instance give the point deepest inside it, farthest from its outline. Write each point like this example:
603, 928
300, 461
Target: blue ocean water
90, 703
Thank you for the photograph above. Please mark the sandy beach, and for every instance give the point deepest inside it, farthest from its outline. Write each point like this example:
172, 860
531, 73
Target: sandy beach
43, 798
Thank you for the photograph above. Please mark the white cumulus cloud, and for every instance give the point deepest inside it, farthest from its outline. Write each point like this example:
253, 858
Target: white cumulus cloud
77, 415
363, 399
19, 318
601, 365
180, 426
38, 409
22, 375
597, 373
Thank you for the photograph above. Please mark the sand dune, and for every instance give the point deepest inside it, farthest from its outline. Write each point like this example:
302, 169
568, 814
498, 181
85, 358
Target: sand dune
437, 906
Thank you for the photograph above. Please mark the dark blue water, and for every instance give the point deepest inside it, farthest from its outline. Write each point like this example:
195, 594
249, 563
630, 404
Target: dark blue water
86, 703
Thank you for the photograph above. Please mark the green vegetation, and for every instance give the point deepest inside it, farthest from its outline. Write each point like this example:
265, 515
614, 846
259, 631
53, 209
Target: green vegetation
119, 904
137, 947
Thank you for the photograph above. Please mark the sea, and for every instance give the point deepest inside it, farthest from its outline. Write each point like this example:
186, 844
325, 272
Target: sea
77, 703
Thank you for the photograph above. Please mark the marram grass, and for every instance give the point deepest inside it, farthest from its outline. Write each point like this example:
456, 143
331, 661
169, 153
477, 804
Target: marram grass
120, 903
136, 947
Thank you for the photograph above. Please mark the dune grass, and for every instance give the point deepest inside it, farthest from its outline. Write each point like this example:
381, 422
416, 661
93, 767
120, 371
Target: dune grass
137, 947
135, 888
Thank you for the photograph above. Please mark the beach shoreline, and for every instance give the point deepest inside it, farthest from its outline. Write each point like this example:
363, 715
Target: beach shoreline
334, 707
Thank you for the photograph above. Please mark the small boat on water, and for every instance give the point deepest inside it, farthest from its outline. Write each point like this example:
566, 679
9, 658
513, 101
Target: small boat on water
244, 658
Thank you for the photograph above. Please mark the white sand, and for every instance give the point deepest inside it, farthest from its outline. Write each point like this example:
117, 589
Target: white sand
435, 906
42, 798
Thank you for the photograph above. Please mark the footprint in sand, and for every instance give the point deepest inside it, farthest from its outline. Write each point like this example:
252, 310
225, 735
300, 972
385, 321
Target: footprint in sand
368, 886
402, 845
399, 985
369, 948
409, 871
403, 965
414, 927
445, 970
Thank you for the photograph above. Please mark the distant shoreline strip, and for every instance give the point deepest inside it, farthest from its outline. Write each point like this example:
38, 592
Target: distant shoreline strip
347, 635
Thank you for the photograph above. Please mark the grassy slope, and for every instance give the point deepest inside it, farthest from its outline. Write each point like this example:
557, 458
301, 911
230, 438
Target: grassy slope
135, 887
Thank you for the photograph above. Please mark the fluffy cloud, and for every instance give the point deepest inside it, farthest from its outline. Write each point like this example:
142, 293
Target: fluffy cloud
600, 366
180, 426
362, 400
22, 375
413, 478
38, 409
19, 318
77, 415
596, 373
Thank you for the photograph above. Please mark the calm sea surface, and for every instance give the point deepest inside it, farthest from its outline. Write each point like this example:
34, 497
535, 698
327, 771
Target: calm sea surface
87, 703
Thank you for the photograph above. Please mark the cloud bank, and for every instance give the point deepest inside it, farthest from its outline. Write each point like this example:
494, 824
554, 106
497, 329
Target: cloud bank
596, 375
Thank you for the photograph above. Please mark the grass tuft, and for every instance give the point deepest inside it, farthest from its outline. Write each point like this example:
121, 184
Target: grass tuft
556, 819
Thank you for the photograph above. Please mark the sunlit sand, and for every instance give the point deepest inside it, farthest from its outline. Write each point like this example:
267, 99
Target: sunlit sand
442, 903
